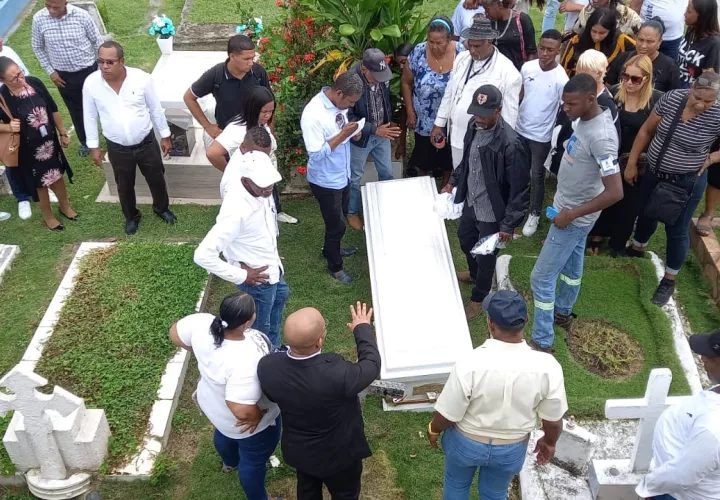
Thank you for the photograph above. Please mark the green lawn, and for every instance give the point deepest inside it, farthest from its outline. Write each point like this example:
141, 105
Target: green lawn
402, 458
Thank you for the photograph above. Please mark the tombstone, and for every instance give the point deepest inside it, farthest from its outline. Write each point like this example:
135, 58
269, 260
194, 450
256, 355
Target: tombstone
617, 479
52, 438
91, 8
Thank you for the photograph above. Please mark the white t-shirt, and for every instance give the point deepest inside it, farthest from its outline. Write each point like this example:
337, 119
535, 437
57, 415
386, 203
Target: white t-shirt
572, 17
672, 12
543, 93
462, 19
234, 134
227, 373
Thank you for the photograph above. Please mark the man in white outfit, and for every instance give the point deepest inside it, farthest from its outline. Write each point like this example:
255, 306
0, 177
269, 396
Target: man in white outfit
481, 64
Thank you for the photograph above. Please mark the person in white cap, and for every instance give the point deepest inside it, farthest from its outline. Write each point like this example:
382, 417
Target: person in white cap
245, 232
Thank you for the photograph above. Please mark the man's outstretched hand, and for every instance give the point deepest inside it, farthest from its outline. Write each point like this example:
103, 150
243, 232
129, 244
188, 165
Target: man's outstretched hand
545, 451
360, 314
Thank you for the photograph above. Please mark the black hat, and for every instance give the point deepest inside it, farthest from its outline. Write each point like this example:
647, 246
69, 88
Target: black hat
481, 29
506, 308
707, 344
374, 61
486, 100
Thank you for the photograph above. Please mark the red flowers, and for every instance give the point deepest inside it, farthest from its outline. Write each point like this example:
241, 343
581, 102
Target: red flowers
292, 78
264, 41
309, 21
302, 170
310, 32
309, 57
297, 23
298, 151
279, 3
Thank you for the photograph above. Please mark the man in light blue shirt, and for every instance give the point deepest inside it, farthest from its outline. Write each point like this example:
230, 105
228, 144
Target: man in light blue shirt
327, 133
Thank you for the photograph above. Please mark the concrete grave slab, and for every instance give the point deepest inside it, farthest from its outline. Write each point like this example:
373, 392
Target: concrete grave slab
8, 253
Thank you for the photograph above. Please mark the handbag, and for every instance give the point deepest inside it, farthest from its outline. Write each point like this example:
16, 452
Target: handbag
9, 141
667, 200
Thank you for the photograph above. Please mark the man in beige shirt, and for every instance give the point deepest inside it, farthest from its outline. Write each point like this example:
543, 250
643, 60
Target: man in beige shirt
491, 403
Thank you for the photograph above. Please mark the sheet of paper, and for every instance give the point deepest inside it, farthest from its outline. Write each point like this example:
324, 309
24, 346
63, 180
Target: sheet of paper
361, 124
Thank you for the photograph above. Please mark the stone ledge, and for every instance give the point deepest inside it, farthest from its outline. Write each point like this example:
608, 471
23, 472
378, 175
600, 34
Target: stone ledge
707, 250
203, 36
7, 255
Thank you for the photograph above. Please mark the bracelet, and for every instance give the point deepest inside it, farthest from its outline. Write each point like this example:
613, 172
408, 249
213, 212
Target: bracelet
430, 431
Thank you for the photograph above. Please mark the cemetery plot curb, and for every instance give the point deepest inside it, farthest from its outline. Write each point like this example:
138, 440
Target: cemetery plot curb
159, 425
7, 255
707, 250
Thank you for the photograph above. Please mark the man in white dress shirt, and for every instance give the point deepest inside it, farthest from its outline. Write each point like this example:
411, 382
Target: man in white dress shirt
125, 102
481, 64
245, 232
686, 445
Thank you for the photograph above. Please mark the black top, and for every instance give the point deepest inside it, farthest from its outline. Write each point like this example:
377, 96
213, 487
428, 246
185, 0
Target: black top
632, 121
511, 43
666, 73
227, 90
323, 429
696, 56
362, 109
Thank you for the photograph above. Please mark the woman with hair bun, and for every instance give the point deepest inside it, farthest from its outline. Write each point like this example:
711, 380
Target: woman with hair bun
247, 424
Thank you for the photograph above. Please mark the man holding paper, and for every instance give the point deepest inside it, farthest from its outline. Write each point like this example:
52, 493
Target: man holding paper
493, 183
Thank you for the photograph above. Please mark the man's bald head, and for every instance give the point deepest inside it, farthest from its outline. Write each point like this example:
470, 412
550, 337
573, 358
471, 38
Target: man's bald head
304, 329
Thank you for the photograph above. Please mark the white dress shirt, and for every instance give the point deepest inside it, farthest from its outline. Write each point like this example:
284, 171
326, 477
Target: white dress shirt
686, 451
245, 231
10, 53
499, 72
126, 117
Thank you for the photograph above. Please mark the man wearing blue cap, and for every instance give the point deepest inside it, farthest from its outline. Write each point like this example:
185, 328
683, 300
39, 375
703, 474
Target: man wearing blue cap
491, 403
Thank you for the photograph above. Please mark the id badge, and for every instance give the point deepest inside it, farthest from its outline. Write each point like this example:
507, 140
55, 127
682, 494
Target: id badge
43, 131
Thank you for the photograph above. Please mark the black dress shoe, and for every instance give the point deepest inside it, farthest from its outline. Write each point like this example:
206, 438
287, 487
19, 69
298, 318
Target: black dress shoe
57, 228
167, 216
131, 226
75, 217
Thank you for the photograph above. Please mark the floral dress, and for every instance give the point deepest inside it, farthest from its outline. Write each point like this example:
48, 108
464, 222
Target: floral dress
428, 87
42, 161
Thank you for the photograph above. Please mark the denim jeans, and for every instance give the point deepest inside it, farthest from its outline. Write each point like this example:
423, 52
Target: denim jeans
678, 235
250, 456
379, 148
562, 255
551, 10
496, 466
16, 186
538, 152
663, 497
269, 305
671, 48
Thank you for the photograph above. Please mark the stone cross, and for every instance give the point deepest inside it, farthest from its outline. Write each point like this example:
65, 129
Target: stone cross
33, 405
648, 410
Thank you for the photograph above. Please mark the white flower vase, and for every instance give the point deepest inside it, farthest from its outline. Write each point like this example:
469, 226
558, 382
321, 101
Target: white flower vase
166, 45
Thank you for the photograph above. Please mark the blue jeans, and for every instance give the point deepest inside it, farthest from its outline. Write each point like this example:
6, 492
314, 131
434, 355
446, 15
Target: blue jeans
269, 305
678, 235
250, 456
16, 186
562, 255
671, 48
496, 465
379, 148
551, 10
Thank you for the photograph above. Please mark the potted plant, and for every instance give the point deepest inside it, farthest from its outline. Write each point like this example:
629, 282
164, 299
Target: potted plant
162, 26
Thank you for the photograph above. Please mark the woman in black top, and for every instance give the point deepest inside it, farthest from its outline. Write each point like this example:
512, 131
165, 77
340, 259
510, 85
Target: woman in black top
666, 73
700, 48
41, 162
516, 39
678, 156
635, 99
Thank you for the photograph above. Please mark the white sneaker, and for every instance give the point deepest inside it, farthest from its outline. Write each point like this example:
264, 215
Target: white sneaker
4, 216
287, 219
24, 210
51, 195
531, 225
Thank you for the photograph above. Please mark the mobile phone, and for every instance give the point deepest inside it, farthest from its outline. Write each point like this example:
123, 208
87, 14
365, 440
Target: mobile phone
551, 212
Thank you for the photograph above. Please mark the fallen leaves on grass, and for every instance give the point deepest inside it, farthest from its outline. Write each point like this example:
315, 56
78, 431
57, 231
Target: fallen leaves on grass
605, 350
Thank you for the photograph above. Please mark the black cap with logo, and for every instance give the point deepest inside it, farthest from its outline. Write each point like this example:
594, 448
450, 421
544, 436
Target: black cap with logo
486, 100
374, 61
707, 344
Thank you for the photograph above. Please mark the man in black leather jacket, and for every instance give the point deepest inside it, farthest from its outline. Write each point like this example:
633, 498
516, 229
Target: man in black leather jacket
493, 182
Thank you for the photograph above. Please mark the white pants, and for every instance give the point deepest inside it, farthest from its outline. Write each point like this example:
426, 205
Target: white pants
457, 156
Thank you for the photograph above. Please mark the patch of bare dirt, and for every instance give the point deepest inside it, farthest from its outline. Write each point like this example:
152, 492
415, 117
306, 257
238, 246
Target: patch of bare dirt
605, 350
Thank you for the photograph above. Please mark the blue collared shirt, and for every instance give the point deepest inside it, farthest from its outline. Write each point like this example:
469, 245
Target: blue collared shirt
321, 121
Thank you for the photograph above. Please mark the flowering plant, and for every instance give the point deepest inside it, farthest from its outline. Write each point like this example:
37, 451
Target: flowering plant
163, 26
251, 26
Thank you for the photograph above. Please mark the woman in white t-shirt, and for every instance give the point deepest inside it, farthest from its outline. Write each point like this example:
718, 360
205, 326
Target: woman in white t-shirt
258, 110
247, 424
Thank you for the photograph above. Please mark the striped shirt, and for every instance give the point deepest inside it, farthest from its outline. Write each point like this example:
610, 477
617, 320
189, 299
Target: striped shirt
478, 198
690, 143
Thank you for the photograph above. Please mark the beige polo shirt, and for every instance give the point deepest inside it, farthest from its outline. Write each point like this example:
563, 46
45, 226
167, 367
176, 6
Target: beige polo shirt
500, 389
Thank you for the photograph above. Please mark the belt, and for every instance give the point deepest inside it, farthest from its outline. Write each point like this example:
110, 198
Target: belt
492, 441
664, 176
119, 147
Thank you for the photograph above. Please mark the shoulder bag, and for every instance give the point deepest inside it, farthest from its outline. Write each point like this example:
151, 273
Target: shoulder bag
9, 141
667, 200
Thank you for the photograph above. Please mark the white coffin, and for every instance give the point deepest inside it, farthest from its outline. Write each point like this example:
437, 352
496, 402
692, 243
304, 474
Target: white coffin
419, 316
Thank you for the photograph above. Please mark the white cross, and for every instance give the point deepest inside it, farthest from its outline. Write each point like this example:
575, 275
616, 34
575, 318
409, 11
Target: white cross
33, 406
648, 410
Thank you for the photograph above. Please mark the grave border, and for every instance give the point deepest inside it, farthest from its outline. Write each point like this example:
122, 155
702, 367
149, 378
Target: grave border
140, 466
707, 251
5, 266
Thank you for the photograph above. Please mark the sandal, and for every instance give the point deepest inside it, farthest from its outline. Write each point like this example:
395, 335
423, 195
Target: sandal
704, 229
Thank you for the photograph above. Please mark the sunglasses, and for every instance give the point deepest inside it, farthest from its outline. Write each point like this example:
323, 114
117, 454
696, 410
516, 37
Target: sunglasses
637, 80
107, 62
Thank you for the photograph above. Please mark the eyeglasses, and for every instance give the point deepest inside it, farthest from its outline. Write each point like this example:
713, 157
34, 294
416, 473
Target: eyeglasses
637, 80
17, 78
107, 62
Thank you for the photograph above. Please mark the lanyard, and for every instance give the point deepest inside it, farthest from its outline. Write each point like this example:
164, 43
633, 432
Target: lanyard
482, 69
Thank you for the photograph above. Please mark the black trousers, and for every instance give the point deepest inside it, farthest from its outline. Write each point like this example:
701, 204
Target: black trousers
343, 485
72, 95
147, 157
618, 221
482, 267
276, 197
333, 207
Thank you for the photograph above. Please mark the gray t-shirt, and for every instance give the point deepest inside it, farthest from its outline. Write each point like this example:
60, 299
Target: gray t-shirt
591, 153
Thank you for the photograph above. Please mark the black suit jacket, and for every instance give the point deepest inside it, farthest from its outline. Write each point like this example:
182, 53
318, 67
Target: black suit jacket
323, 429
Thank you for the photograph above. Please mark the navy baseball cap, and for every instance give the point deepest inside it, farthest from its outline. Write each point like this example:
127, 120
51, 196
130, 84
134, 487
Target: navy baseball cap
506, 308
374, 61
707, 344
